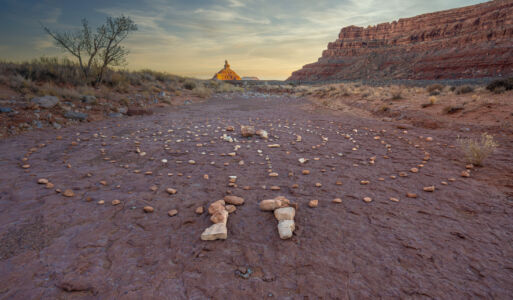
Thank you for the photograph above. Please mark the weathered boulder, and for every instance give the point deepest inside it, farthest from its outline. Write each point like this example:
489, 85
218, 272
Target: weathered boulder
45, 101
89, 99
75, 115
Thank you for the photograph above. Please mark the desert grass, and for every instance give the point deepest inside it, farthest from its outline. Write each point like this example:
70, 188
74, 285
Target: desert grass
476, 150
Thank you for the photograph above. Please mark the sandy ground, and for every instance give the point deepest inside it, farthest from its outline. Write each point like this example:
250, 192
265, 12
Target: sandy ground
453, 243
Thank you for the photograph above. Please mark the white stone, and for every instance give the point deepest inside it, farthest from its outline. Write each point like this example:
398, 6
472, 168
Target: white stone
215, 232
284, 213
286, 228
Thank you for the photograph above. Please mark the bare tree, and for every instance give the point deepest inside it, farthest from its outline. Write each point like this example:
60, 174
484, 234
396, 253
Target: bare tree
96, 51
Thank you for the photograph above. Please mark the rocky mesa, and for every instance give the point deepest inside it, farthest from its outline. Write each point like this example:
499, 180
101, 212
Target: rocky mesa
469, 42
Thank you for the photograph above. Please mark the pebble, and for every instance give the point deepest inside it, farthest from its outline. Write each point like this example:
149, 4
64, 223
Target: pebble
303, 160
247, 131
275, 188
305, 172
101, 202
273, 174
199, 210
337, 200
220, 216
465, 174
313, 203
429, 188
42, 181
172, 212
234, 200
115, 202
216, 206
411, 195
364, 182
148, 209
414, 170
318, 184
394, 199
171, 191
272, 204
367, 199
68, 193
230, 208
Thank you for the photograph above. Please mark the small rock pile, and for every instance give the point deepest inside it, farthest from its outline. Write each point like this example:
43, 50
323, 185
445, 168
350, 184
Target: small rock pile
219, 212
283, 212
249, 131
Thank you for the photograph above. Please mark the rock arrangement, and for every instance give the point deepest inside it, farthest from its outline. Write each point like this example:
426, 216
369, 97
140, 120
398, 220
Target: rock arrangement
467, 42
195, 152
283, 212
219, 212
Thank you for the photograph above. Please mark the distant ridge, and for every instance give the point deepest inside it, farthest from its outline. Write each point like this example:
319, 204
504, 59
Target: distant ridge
469, 42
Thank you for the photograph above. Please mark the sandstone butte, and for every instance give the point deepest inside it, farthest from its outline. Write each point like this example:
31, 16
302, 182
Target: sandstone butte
226, 73
468, 42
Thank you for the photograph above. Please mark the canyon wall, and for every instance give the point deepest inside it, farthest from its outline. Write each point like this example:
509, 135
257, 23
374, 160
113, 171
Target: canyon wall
469, 42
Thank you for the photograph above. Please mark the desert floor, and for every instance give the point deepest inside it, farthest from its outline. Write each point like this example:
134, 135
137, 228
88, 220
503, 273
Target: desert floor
455, 242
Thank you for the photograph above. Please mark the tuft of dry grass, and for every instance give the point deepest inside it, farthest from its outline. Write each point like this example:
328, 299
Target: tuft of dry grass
476, 150
434, 89
397, 94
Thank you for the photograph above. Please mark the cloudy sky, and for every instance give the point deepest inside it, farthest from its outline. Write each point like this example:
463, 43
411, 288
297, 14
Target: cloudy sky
264, 38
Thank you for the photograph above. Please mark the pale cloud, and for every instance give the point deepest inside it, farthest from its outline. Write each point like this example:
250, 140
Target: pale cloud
235, 3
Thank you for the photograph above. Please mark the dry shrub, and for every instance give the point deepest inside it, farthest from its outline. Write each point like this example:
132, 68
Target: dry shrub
434, 89
202, 91
49, 89
464, 89
223, 87
432, 101
500, 85
397, 94
189, 85
477, 150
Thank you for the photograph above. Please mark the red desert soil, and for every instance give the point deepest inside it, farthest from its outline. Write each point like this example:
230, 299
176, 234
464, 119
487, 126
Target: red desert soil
452, 243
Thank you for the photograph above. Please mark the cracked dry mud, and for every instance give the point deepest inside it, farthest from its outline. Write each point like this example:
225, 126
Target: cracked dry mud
452, 243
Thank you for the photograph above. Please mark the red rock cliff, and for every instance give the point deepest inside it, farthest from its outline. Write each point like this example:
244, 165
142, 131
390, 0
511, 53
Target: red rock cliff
468, 42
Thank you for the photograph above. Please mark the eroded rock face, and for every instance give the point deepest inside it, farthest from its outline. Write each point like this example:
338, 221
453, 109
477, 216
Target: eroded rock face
468, 42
